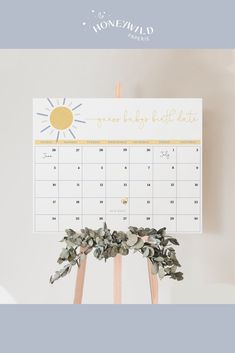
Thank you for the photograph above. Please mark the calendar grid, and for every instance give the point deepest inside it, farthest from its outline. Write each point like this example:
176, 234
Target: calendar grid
156, 214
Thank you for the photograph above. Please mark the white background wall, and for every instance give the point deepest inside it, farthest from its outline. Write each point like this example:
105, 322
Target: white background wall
26, 260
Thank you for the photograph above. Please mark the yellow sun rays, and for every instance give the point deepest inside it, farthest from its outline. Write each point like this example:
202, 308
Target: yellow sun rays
61, 118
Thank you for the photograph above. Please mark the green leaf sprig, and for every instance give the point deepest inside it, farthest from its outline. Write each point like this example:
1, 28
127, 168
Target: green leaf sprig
153, 244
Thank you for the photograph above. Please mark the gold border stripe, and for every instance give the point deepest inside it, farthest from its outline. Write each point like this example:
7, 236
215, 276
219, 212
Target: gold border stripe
117, 142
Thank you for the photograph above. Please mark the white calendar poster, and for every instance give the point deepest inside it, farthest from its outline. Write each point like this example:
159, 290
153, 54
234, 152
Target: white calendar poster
124, 161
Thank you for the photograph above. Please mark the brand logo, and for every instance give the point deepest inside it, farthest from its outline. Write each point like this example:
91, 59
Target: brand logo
101, 21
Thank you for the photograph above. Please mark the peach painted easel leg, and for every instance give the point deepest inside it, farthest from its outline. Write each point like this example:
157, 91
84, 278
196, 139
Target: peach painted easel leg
117, 274
153, 283
80, 281
117, 280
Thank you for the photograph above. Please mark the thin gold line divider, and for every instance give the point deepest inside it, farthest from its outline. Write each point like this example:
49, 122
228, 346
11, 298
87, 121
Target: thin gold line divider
117, 142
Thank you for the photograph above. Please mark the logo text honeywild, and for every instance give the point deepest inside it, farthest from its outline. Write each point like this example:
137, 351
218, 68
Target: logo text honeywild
101, 21
135, 31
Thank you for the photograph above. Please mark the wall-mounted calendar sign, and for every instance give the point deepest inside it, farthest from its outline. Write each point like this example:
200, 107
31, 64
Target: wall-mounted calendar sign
124, 161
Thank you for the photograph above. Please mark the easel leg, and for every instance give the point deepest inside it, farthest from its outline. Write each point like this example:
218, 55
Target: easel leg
153, 282
117, 287
80, 282
117, 275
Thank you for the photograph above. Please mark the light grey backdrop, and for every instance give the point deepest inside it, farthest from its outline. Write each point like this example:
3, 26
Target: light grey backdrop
27, 260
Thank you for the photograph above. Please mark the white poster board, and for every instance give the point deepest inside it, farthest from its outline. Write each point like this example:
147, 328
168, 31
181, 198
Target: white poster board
124, 161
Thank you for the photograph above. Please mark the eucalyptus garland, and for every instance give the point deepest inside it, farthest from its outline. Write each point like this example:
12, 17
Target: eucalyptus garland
153, 244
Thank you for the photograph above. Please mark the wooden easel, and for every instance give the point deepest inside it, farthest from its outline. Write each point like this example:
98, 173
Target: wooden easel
117, 273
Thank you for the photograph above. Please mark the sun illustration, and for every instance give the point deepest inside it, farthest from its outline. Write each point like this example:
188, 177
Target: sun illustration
61, 118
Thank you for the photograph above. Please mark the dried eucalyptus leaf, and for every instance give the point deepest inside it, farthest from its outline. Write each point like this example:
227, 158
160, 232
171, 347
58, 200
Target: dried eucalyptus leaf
162, 231
70, 232
101, 242
123, 251
174, 260
90, 242
174, 241
173, 268
139, 244
74, 262
114, 251
131, 239
154, 241
65, 270
171, 249
55, 277
133, 229
152, 231
100, 232
155, 268
64, 254
151, 252
152, 237
178, 276
97, 253
72, 254
142, 232
161, 272
62, 240
146, 251
164, 242
121, 236
69, 242
159, 259
92, 233
167, 270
